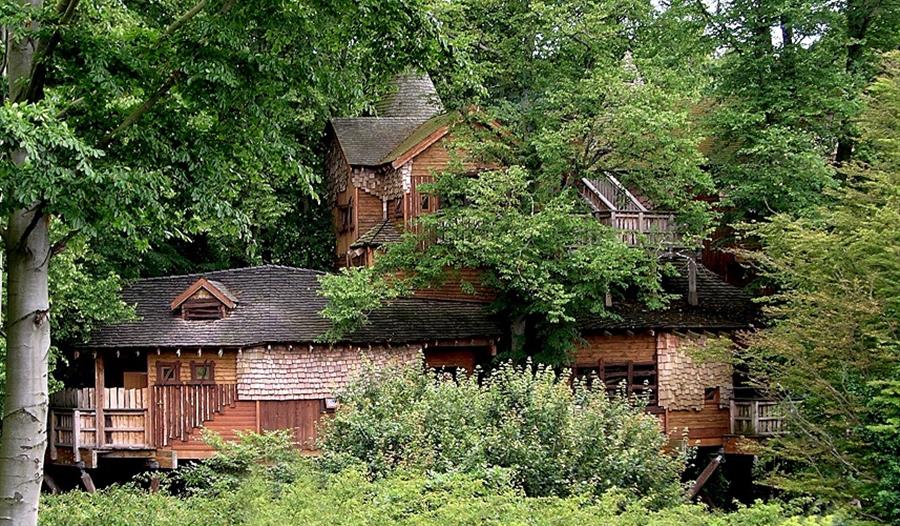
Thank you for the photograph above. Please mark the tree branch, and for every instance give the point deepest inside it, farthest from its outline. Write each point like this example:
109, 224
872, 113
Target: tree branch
60, 245
191, 13
143, 108
38, 213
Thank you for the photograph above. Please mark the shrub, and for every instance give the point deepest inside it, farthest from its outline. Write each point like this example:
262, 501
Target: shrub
549, 439
351, 498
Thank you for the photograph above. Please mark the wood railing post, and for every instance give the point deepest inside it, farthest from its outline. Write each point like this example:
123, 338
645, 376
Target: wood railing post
52, 433
99, 400
76, 435
732, 416
754, 416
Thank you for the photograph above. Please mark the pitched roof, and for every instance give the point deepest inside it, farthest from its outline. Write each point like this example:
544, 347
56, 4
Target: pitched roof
366, 141
410, 95
217, 289
405, 116
378, 235
720, 306
279, 304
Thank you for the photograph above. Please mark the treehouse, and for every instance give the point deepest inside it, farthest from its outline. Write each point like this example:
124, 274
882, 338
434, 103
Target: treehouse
239, 350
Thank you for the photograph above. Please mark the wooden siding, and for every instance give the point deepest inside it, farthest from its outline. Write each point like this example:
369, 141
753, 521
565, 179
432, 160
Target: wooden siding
225, 368
451, 288
300, 416
466, 358
370, 212
705, 427
615, 348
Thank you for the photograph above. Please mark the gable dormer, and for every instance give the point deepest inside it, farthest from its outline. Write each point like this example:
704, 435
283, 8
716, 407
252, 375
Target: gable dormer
204, 300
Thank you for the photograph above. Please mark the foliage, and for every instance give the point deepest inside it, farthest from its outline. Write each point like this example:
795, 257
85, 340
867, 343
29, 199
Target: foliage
787, 86
350, 498
270, 455
549, 261
832, 346
530, 424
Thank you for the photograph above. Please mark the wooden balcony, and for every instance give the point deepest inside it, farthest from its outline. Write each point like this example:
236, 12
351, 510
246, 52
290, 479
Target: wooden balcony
74, 423
756, 418
642, 227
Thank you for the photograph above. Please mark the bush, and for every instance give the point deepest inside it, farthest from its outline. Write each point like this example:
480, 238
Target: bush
548, 438
351, 498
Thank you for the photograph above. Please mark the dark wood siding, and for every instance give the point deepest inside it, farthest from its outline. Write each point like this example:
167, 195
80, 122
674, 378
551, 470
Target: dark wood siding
301, 416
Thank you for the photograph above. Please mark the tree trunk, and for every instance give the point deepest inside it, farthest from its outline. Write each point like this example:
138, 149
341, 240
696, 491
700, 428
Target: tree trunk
27, 246
24, 436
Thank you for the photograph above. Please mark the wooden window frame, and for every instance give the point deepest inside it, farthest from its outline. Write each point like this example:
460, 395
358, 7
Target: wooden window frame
176, 367
626, 371
210, 365
345, 217
425, 202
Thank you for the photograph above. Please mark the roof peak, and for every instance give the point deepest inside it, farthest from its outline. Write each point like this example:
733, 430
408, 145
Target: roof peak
411, 94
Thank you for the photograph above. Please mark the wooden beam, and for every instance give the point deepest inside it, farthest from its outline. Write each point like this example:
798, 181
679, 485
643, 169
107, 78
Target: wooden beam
52, 444
87, 482
76, 435
99, 400
705, 475
693, 298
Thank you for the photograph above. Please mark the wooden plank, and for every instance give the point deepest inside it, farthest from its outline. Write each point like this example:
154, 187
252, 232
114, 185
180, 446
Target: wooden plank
99, 400
76, 435
705, 475
53, 438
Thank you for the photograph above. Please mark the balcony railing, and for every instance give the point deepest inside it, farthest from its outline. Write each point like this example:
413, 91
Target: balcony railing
642, 227
756, 417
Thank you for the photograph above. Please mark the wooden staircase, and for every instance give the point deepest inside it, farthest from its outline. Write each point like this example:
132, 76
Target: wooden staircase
180, 409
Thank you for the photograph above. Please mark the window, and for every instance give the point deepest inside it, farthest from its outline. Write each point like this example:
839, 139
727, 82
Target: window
345, 216
168, 373
711, 395
203, 372
632, 378
395, 208
425, 201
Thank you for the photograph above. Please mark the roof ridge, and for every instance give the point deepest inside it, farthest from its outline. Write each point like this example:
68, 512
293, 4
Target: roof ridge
227, 270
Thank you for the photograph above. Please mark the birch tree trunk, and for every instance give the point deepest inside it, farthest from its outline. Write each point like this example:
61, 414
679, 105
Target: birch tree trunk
27, 247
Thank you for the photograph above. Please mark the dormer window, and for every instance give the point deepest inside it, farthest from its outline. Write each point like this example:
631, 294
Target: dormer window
204, 300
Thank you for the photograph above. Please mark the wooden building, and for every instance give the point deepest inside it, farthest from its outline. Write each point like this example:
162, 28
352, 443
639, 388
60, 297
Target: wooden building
237, 350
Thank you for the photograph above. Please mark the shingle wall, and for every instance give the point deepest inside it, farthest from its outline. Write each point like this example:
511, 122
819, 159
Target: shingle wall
309, 372
682, 379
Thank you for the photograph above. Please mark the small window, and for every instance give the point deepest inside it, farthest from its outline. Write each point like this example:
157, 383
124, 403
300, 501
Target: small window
425, 200
168, 373
203, 372
396, 206
345, 216
711, 395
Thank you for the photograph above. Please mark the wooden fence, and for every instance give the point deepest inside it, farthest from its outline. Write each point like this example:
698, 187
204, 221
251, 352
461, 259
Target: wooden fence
179, 409
756, 418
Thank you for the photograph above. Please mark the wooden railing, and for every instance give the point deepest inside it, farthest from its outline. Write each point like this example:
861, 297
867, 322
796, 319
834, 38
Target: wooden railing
756, 417
604, 193
179, 409
635, 228
73, 419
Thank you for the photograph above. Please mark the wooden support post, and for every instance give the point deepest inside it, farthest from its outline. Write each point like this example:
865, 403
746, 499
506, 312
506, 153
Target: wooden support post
154, 482
99, 401
76, 435
88, 482
52, 433
704, 476
51, 484
732, 415
693, 299
754, 417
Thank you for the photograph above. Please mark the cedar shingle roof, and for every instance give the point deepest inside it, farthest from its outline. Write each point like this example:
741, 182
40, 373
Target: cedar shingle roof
378, 235
280, 304
720, 306
366, 141
372, 141
410, 95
